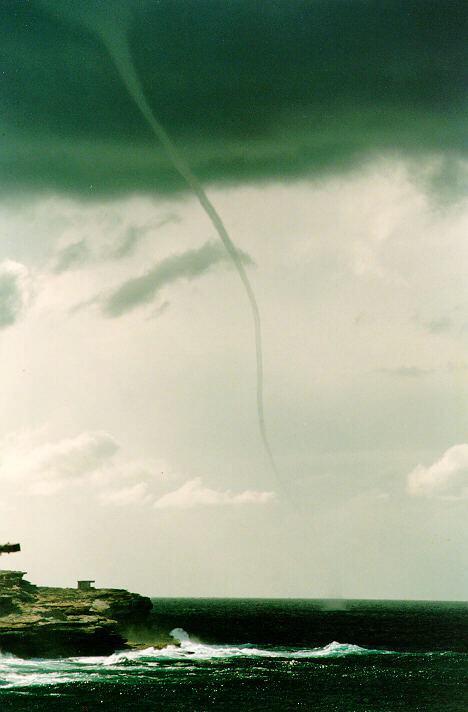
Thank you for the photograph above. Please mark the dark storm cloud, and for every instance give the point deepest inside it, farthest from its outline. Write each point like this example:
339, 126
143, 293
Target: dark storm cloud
187, 265
248, 90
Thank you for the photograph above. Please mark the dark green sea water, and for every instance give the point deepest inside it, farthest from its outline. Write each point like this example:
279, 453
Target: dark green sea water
347, 656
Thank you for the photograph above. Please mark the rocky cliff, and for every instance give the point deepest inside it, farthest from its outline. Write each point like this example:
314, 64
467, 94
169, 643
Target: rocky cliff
53, 622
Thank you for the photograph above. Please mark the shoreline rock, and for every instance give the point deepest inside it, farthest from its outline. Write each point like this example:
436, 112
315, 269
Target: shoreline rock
39, 621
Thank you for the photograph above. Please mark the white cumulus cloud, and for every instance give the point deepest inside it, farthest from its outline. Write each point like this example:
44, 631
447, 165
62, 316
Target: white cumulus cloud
447, 477
133, 494
194, 494
45, 468
33, 465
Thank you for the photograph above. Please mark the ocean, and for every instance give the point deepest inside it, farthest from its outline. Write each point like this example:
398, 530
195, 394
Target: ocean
266, 655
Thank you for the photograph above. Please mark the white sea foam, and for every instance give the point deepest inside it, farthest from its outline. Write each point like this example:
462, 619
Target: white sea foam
189, 648
17, 673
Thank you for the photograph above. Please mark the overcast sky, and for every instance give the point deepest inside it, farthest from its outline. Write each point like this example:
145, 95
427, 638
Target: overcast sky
329, 136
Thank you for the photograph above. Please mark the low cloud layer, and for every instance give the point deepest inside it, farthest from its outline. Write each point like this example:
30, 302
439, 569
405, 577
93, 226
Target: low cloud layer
72, 256
195, 494
187, 265
129, 241
116, 245
446, 477
14, 292
32, 465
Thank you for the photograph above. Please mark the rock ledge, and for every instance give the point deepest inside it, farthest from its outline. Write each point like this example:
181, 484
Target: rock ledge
54, 622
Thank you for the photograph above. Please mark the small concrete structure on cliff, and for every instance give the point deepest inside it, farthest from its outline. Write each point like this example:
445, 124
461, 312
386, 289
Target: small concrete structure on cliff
39, 621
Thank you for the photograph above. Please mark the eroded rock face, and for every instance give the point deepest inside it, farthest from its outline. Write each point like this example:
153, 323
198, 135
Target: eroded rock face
53, 622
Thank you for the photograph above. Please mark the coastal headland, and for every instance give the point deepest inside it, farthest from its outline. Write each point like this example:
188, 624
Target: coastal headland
38, 621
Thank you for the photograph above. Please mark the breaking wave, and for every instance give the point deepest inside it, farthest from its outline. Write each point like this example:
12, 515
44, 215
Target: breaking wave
197, 650
126, 665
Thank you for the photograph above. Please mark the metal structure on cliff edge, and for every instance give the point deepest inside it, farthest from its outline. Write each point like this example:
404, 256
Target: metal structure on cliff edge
9, 548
